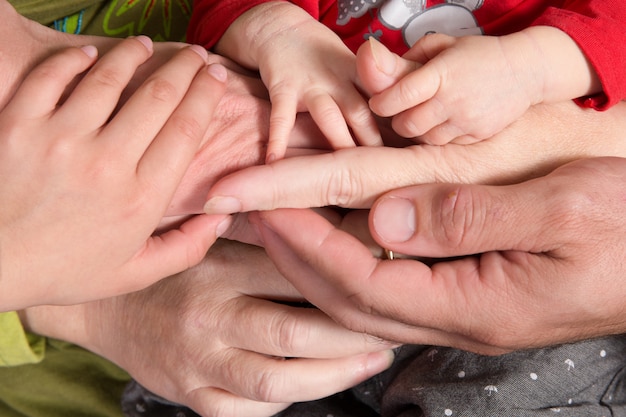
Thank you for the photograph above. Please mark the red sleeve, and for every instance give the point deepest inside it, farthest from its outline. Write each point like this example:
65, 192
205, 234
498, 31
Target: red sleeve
599, 29
211, 18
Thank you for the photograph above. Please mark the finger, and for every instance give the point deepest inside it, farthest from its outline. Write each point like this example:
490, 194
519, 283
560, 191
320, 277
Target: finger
416, 122
168, 157
446, 133
428, 47
327, 115
451, 304
282, 120
360, 118
429, 123
343, 178
98, 93
150, 108
170, 253
48, 82
451, 220
277, 380
304, 261
378, 68
217, 402
416, 88
286, 331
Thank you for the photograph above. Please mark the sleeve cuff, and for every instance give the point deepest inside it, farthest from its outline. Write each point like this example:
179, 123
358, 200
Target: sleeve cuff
17, 347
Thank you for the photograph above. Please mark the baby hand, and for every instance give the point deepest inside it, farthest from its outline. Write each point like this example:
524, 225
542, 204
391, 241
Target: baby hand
447, 89
316, 74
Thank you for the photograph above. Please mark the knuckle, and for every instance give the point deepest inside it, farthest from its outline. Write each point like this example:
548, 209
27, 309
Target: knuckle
343, 187
408, 93
361, 117
572, 209
460, 216
107, 76
288, 334
282, 120
161, 90
331, 116
265, 386
49, 72
187, 127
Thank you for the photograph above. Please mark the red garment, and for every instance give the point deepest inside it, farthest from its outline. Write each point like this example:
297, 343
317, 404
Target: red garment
597, 26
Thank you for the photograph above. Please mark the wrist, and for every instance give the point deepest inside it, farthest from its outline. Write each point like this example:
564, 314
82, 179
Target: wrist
59, 322
563, 70
253, 30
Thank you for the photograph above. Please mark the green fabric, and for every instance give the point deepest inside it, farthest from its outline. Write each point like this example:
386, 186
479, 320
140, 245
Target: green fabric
69, 382
16, 346
162, 20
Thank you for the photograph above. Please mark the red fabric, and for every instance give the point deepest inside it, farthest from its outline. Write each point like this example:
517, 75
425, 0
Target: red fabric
597, 26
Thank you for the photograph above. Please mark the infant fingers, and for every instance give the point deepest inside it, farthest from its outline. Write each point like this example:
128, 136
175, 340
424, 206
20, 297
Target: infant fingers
282, 120
328, 116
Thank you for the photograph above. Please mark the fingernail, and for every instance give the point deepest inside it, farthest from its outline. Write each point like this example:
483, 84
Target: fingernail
270, 158
382, 57
380, 361
146, 41
222, 205
394, 219
90, 50
200, 51
223, 226
218, 72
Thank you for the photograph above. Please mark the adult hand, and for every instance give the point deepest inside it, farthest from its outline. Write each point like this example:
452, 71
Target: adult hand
238, 132
549, 267
548, 136
85, 185
210, 337
237, 139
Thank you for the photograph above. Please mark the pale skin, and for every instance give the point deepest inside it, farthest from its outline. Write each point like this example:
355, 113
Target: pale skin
549, 268
461, 90
75, 222
467, 89
49, 213
306, 67
544, 215
84, 323
225, 343
238, 323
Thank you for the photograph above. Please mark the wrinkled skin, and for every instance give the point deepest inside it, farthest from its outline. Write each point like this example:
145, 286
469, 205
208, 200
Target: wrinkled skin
209, 321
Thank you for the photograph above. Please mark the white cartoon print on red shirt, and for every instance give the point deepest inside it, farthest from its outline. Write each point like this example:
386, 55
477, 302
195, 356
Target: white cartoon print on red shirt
416, 18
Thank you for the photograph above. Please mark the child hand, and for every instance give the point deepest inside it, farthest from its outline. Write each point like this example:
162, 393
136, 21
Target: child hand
461, 90
315, 73
84, 184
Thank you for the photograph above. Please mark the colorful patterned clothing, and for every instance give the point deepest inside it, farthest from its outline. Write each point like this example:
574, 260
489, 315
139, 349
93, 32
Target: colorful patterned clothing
597, 26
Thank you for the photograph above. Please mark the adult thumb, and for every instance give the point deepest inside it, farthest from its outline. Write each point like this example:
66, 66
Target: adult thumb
447, 220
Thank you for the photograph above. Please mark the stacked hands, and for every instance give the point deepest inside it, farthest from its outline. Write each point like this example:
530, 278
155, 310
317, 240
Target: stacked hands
531, 216
534, 229
90, 170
